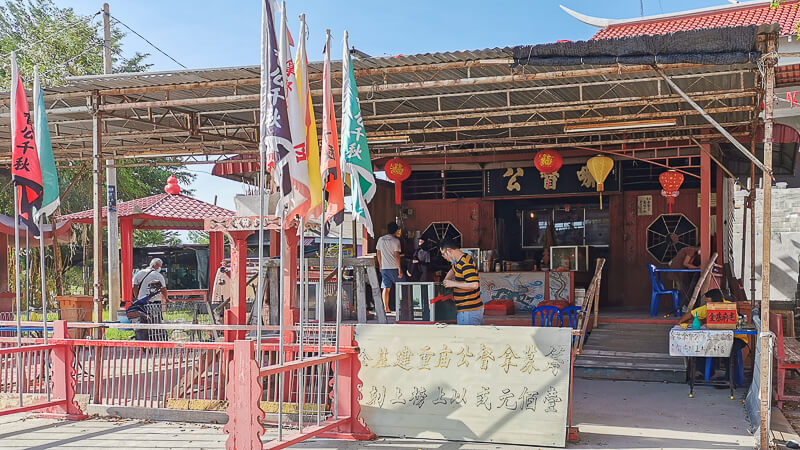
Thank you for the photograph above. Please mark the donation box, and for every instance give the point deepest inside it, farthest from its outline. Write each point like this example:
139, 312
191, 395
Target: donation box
721, 316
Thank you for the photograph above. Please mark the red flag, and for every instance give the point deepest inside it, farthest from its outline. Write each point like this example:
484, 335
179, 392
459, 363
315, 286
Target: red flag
329, 156
25, 170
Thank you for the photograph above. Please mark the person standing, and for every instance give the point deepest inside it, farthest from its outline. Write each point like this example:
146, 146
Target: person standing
388, 249
420, 263
463, 278
143, 278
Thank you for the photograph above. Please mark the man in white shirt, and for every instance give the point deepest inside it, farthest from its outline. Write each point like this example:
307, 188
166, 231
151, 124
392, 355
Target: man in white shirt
143, 278
388, 249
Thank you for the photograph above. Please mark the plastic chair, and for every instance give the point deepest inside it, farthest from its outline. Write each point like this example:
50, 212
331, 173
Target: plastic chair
657, 290
738, 368
570, 313
549, 316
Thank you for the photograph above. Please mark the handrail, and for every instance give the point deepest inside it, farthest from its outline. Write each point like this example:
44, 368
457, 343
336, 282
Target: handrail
299, 364
25, 348
20, 409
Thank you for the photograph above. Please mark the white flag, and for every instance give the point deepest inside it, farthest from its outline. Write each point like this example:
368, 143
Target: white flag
300, 201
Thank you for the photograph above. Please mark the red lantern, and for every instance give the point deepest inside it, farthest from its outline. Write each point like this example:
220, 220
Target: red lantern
397, 170
671, 181
548, 161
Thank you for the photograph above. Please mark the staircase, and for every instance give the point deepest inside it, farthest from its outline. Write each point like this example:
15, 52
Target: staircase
627, 351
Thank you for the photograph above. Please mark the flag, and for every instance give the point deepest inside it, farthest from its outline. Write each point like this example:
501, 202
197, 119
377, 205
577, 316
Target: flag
355, 154
275, 139
25, 171
300, 199
329, 157
47, 162
312, 143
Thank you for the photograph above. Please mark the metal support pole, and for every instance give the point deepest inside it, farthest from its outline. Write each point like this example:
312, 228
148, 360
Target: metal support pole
97, 222
753, 192
44, 301
769, 102
713, 122
114, 272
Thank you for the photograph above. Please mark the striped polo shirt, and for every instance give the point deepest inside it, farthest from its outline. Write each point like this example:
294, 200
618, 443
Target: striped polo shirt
466, 271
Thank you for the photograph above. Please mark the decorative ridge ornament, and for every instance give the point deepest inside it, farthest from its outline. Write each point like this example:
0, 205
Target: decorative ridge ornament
671, 181
600, 166
172, 186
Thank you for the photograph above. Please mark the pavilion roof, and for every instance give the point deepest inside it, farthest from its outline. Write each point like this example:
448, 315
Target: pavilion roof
170, 211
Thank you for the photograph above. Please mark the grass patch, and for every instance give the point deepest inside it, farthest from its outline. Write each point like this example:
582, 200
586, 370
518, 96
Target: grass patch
114, 334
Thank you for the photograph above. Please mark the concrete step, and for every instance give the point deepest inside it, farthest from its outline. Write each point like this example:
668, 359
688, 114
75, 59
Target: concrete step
619, 351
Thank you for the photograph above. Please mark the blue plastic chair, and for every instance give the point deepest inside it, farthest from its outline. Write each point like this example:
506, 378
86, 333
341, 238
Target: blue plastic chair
658, 290
570, 313
549, 316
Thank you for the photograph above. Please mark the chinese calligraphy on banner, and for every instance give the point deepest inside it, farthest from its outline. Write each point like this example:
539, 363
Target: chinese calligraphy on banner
486, 384
709, 343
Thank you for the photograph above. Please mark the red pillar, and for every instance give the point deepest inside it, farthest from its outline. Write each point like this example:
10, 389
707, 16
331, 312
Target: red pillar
718, 213
126, 259
216, 253
705, 202
237, 314
274, 244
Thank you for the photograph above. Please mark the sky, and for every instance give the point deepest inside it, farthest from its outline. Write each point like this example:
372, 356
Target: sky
213, 33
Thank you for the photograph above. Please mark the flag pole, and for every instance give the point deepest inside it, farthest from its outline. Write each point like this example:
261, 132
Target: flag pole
320, 299
44, 298
17, 283
14, 81
338, 323
262, 147
282, 284
302, 293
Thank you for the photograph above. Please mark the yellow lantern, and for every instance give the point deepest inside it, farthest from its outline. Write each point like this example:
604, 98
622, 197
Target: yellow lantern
600, 166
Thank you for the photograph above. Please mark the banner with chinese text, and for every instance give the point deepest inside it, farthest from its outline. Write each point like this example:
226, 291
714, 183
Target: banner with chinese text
466, 383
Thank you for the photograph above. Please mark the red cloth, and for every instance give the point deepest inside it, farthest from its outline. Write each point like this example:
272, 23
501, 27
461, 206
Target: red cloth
560, 304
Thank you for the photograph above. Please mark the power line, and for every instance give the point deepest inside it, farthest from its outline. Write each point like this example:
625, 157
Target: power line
146, 40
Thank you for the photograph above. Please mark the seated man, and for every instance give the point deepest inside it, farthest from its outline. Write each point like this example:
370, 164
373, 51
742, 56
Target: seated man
713, 296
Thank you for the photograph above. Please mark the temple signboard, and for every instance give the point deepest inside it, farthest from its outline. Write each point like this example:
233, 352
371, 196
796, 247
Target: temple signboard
485, 384
240, 223
570, 179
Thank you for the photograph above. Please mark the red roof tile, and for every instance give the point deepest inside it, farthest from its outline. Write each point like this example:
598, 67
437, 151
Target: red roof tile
787, 15
171, 207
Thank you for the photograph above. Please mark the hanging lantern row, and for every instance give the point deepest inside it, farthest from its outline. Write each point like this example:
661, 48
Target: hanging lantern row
671, 181
397, 170
600, 166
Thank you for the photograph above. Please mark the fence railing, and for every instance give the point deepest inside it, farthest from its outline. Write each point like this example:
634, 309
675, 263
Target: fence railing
311, 401
25, 371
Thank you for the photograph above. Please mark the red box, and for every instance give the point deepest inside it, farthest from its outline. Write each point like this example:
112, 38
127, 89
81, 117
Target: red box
721, 316
499, 308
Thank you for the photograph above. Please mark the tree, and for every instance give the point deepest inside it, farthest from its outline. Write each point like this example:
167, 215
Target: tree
63, 43
155, 238
198, 237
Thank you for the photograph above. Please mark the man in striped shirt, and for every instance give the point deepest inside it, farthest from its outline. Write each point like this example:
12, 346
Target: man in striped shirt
463, 278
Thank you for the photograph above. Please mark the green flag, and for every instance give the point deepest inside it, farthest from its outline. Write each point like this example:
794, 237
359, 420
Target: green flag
354, 151
45, 147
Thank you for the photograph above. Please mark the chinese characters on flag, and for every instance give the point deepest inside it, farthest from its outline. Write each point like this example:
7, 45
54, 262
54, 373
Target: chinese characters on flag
25, 171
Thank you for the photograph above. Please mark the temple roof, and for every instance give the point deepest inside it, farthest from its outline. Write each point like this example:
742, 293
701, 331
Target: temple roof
786, 15
161, 211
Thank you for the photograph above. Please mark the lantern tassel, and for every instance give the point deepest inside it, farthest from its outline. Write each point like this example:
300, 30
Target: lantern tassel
601, 201
398, 193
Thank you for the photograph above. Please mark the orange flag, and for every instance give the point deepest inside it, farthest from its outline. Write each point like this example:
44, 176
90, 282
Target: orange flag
329, 156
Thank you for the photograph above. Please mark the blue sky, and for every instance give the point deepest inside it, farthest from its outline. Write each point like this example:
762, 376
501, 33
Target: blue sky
203, 34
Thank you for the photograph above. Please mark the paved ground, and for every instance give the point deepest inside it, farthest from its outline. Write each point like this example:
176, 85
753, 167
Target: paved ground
611, 415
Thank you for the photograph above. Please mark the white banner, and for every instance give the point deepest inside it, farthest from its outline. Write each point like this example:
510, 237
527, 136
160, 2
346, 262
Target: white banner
709, 343
466, 383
